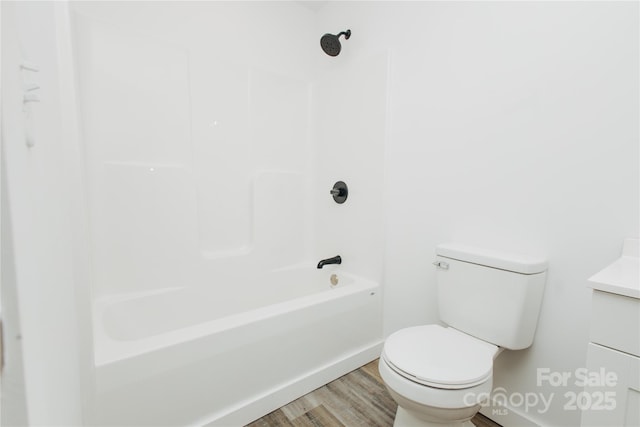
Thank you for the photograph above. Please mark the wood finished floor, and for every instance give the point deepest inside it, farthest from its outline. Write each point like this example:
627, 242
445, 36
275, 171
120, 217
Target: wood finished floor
356, 399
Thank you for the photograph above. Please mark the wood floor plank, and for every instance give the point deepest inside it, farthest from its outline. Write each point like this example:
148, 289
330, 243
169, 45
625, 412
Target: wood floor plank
481, 421
371, 368
302, 405
319, 416
275, 418
357, 407
373, 394
338, 406
356, 399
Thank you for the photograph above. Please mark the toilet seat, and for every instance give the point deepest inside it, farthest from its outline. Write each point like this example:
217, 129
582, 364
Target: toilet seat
439, 357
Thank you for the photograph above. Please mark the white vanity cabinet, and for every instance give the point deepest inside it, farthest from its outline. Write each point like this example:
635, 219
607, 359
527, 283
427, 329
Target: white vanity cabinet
612, 395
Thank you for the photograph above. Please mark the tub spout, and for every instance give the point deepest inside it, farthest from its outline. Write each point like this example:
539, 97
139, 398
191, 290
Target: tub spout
335, 260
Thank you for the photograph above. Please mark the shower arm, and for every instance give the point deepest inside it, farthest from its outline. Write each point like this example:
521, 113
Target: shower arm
346, 34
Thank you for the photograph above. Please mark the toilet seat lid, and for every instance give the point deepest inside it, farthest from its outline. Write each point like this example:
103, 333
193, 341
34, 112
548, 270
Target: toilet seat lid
439, 357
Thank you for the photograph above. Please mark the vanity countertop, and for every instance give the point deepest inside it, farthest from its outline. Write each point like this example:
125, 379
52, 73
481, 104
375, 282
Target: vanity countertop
622, 277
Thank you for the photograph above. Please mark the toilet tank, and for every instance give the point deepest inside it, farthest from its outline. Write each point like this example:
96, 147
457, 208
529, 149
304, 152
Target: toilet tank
491, 295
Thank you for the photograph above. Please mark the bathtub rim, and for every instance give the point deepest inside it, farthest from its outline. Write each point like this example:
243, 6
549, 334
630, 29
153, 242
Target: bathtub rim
108, 350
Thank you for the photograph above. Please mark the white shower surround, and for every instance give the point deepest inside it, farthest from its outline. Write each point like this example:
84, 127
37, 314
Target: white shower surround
207, 189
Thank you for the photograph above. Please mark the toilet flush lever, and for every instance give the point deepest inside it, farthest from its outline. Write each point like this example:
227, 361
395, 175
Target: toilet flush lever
441, 265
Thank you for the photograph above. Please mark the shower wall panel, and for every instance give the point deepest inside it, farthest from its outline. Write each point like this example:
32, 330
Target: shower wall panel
198, 164
136, 124
350, 125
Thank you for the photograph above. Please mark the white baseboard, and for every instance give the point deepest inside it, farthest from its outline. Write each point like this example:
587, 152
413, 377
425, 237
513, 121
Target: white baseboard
256, 407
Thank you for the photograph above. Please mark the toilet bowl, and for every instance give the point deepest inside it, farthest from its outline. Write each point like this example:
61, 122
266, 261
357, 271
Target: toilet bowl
441, 375
436, 374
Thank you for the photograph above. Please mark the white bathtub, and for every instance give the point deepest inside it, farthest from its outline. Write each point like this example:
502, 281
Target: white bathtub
192, 356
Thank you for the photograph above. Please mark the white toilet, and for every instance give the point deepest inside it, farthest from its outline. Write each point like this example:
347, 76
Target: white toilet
439, 375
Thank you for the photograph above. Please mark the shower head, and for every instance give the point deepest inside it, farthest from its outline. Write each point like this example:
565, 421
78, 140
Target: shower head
331, 43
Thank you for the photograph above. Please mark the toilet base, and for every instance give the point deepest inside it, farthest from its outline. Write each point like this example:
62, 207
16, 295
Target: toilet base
406, 419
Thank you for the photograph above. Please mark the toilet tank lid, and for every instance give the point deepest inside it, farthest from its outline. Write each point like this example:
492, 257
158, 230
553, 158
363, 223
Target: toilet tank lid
517, 263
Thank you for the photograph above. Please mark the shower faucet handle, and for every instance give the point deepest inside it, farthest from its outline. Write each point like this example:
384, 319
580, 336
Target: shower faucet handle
340, 192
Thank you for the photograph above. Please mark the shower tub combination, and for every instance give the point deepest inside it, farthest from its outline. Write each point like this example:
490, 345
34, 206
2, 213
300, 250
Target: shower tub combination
207, 202
190, 356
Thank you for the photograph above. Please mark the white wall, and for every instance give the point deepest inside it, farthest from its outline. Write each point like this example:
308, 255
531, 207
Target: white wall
514, 126
13, 404
37, 240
